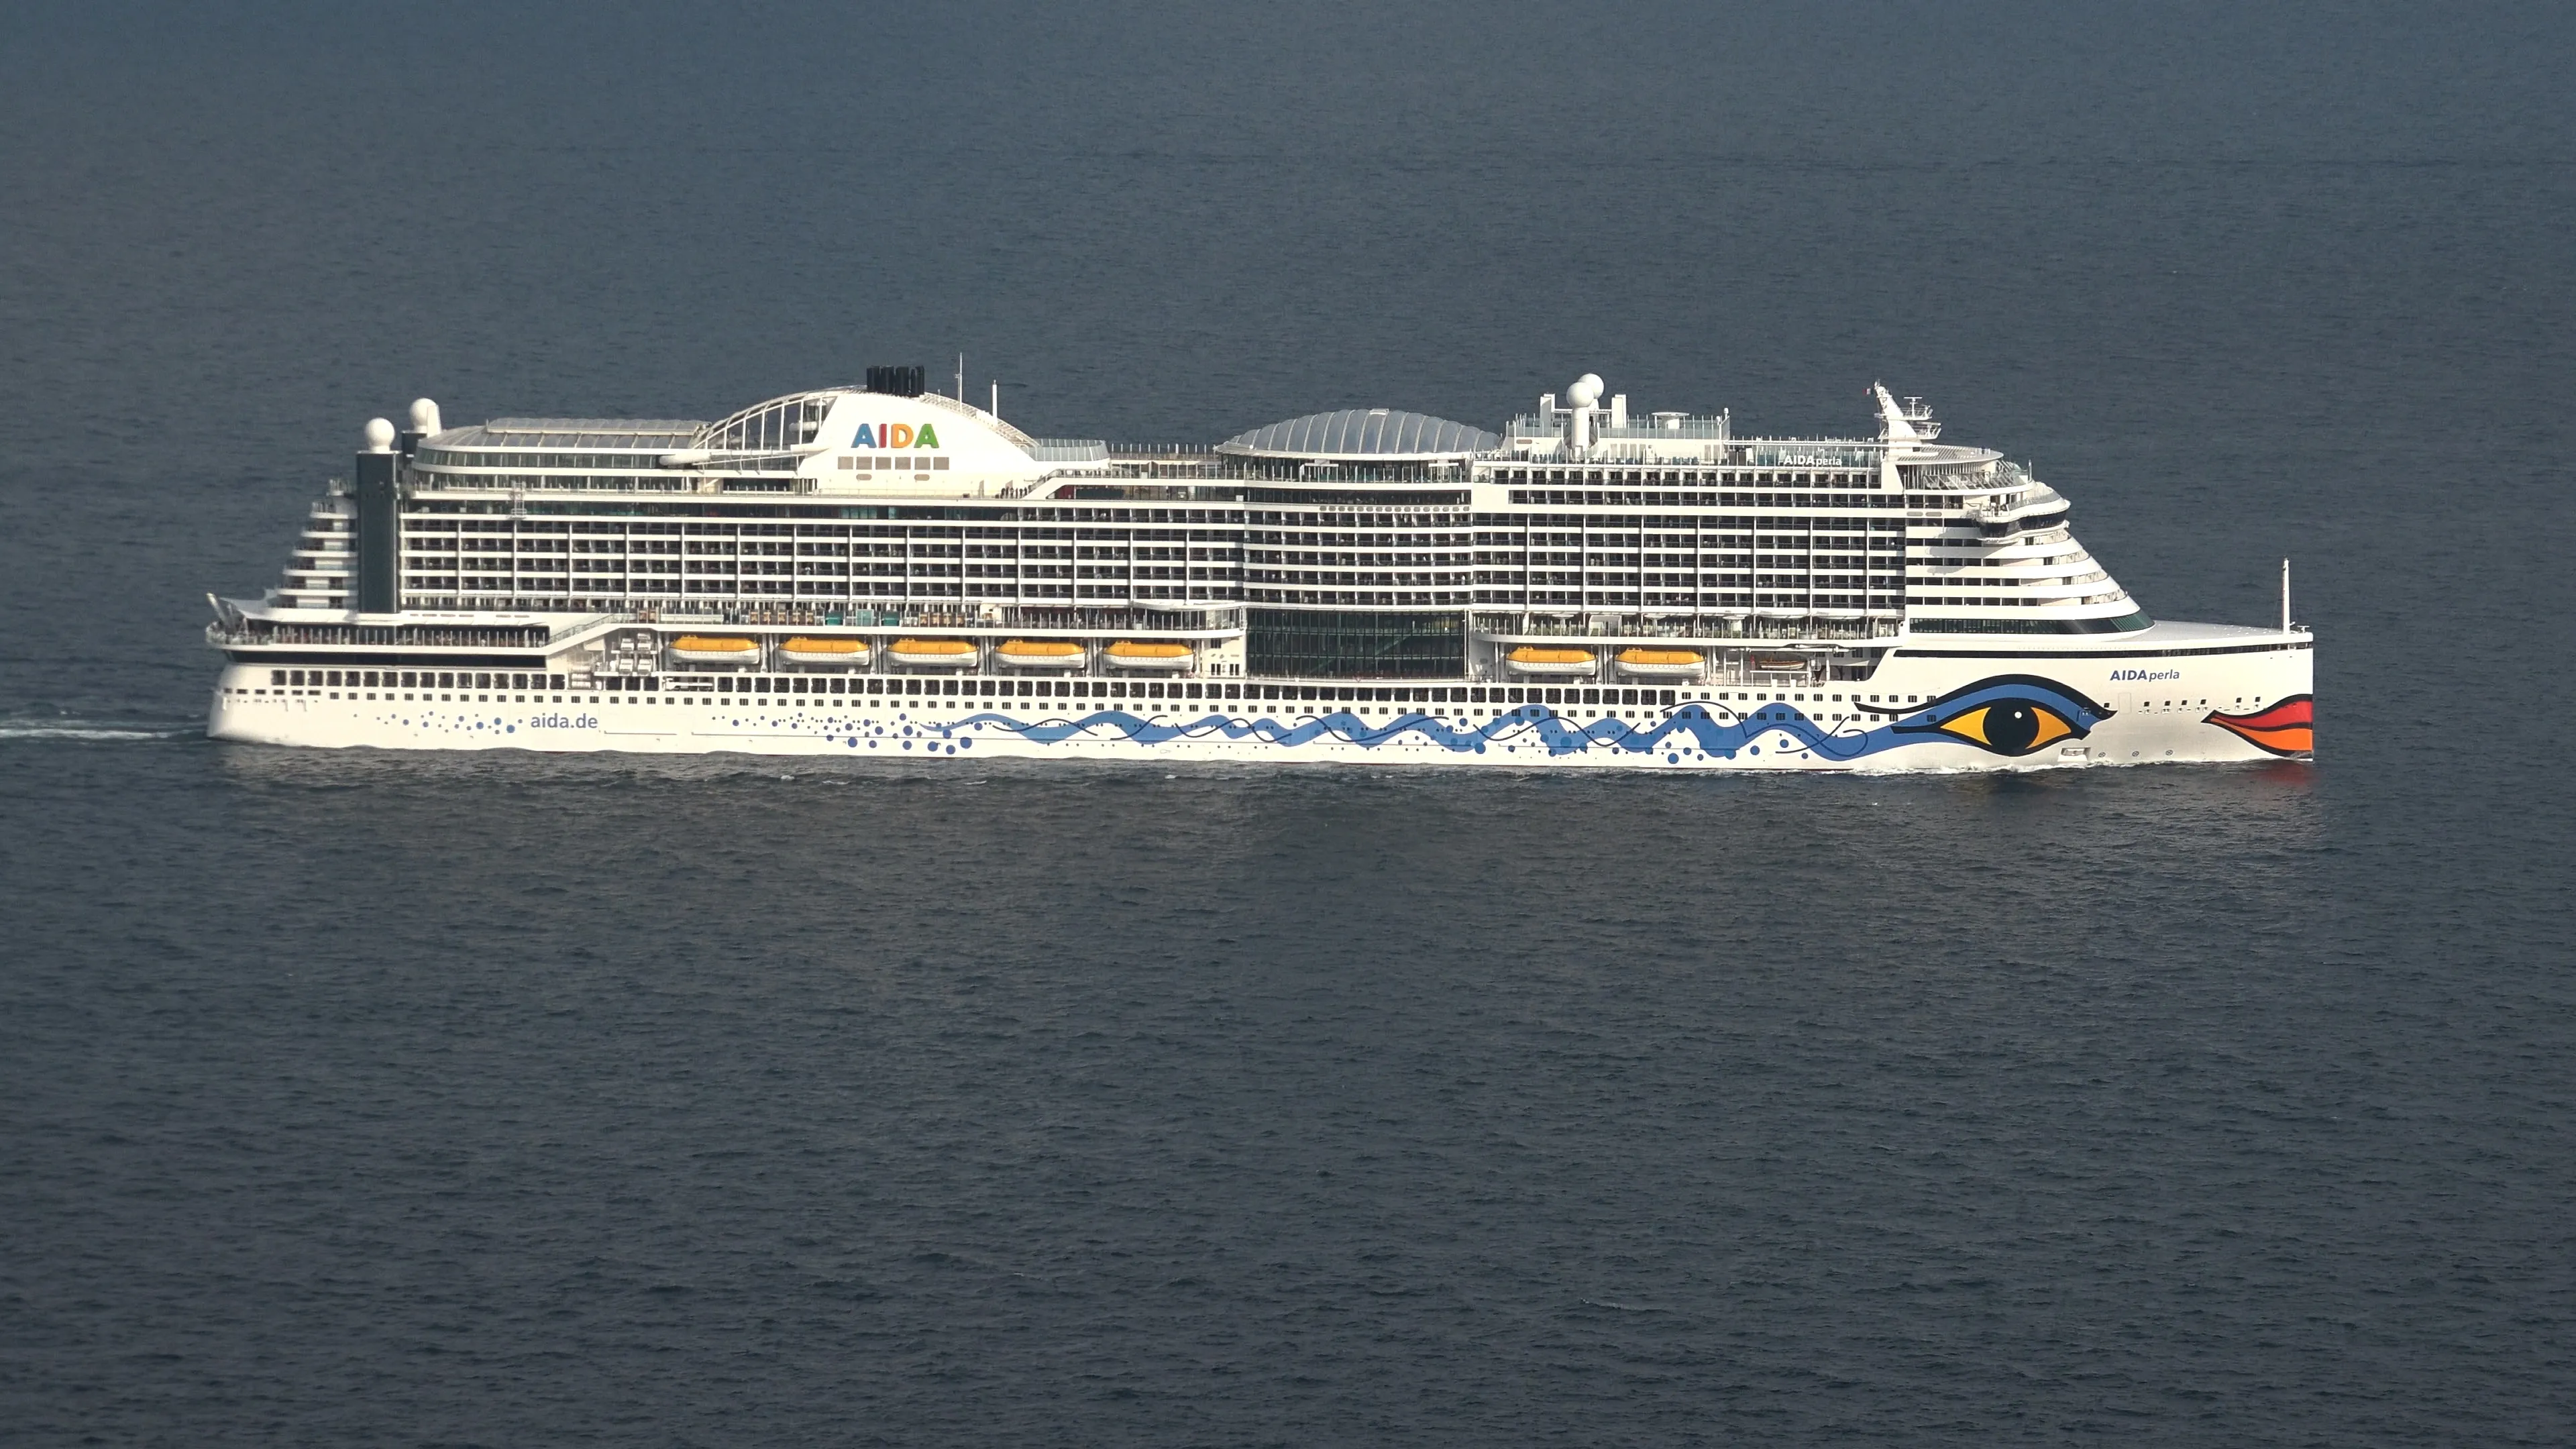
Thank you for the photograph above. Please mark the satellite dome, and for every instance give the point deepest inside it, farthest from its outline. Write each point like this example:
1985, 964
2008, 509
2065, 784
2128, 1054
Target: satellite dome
380, 435
424, 416
1586, 390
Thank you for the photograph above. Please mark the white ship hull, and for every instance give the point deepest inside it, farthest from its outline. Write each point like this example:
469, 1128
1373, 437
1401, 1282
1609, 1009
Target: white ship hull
1588, 589
2214, 696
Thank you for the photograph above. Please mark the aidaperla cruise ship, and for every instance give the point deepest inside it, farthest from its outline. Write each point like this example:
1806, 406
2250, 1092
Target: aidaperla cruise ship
885, 572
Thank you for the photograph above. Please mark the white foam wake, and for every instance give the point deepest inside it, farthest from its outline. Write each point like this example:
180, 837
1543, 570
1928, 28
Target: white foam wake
73, 729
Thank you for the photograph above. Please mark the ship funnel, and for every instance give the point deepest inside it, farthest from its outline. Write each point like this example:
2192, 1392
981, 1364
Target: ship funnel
898, 381
377, 482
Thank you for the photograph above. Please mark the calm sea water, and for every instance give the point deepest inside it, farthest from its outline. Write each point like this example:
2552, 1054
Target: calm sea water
356, 1099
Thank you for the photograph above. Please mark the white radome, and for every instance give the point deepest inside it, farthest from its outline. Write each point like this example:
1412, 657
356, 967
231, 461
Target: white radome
380, 435
1585, 391
424, 416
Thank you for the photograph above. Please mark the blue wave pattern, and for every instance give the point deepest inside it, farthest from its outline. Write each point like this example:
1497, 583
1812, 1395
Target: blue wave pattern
1692, 732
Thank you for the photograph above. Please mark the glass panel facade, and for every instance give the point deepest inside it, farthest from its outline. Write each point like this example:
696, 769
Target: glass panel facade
1356, 645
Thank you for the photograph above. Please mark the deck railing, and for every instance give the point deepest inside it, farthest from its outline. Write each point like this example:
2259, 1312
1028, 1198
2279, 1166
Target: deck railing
1755, 629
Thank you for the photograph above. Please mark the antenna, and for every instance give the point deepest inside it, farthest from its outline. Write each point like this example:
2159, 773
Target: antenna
997, 399
961, 377
2285, 596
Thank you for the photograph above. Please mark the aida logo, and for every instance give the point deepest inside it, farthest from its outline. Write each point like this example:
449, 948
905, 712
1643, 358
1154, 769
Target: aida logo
896, 435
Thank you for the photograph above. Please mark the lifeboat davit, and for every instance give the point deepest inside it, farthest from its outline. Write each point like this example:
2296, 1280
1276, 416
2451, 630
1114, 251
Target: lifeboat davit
699, 649
825, 651
1661, 663
1138, 654
934, 653
1531, 659
1040, 654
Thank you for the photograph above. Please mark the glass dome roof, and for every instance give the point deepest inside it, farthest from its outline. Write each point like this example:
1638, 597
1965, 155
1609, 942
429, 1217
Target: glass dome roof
1363, 435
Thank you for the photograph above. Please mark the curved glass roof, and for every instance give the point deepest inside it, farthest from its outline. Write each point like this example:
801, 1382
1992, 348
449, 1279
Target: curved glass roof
1362, 435
659, 435
771, 427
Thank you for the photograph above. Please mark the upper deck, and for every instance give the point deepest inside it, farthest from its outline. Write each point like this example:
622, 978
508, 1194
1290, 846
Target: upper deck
1580, 519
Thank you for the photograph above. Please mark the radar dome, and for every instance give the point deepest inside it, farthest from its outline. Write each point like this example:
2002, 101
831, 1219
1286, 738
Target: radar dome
424, 416
380, 435
1586, 390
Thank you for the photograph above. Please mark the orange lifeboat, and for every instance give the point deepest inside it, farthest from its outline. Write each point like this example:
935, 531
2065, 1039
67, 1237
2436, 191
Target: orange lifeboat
699, 649
1147, 654
1561, 663
1661, 664
825, 651
1040, 654
934, 653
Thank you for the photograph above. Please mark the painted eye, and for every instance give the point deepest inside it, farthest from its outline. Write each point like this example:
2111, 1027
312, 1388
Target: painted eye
2008, 726
2009, 715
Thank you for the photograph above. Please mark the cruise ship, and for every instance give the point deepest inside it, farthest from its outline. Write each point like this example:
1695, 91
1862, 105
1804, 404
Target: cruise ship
884, 571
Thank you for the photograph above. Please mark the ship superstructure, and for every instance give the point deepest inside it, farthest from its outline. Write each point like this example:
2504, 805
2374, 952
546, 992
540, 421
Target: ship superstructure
882, 568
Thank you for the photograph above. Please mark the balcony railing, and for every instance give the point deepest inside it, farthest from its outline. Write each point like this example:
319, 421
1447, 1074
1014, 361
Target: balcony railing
1705, 627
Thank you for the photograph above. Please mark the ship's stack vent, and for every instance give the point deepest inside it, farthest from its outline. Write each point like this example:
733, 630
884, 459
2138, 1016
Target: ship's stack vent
899, 381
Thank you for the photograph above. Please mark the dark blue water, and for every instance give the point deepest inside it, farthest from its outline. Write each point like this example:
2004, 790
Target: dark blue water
350, 1099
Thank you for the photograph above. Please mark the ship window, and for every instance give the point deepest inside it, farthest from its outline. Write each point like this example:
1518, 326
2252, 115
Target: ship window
653, 683
277, 676
840, 686
295, 676
912, 686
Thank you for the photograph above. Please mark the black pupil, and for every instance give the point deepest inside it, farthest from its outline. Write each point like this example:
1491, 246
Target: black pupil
2012, 728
